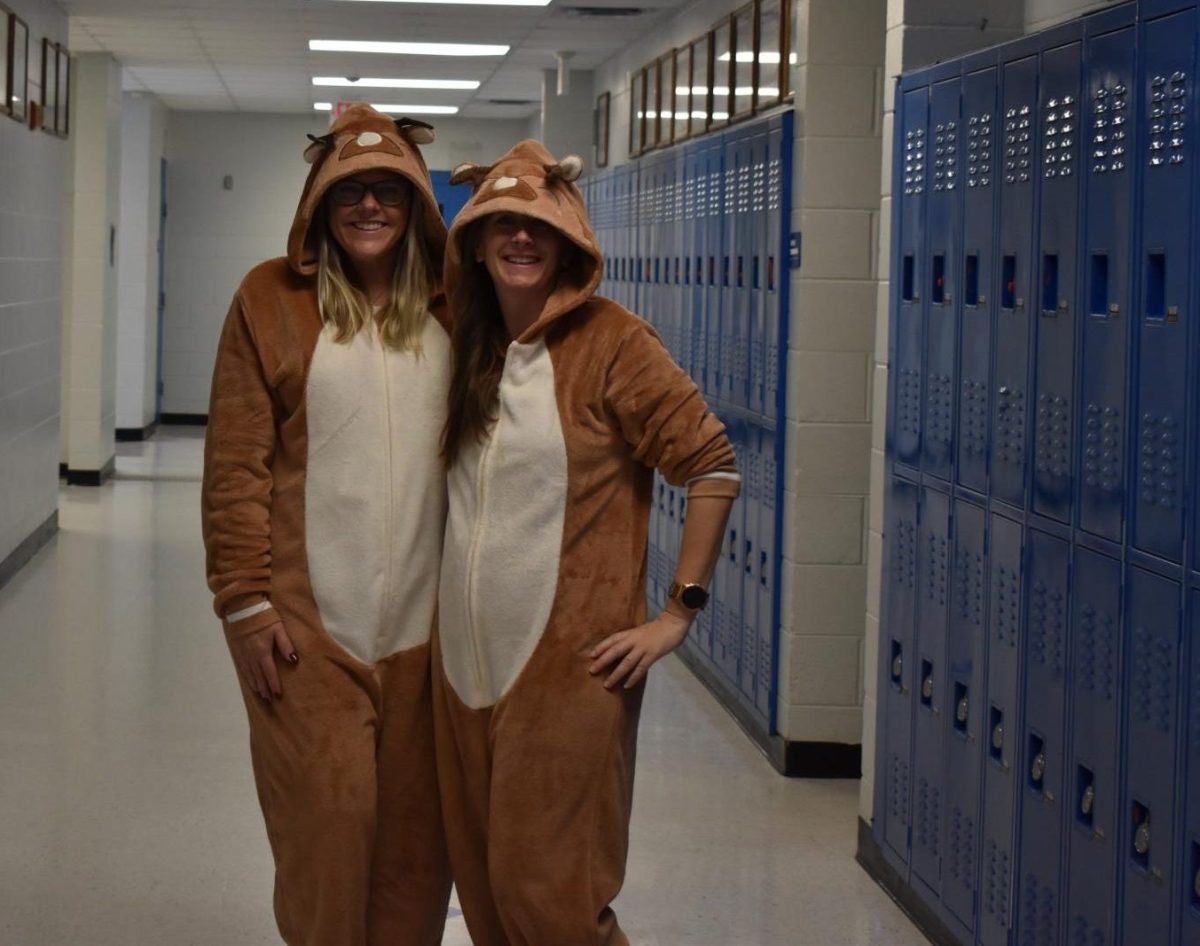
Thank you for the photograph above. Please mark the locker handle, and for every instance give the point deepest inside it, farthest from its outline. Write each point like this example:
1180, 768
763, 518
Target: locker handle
762, 569
971, 281
1156, 287
771, 273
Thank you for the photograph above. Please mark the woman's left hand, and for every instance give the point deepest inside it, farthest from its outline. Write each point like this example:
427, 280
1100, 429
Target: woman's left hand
634, 651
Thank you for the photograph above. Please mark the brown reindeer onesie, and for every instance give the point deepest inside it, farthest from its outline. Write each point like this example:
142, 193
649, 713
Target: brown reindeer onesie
323, 508
545, 556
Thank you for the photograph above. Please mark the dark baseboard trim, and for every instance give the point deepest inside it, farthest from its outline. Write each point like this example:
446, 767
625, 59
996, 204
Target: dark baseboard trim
188, 420
870, 858
62, 471
134, 434
16, 559
793, 759
91, 477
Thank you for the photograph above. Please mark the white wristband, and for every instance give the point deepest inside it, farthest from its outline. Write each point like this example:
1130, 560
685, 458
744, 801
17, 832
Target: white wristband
248, 612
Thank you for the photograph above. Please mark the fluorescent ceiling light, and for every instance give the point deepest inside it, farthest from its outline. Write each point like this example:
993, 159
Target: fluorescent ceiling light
343, 82
405, 109
405, 49
482, 3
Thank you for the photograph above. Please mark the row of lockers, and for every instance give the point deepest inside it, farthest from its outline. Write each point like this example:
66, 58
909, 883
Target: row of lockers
1039, 680
1045, 281
692, 239
695, 240
1041, 730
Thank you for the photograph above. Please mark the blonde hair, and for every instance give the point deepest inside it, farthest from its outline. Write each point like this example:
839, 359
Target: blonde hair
346, 307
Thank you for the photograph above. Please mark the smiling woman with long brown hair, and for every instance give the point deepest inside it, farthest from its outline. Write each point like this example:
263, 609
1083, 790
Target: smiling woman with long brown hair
562, 406
323, 506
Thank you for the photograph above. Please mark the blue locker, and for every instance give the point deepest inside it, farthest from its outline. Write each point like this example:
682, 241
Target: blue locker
1002, 731
726, 583
944, 215
965, 645
779, 145
906, 366
685, 235
1160, 455
1010, 408
931, 704
752, 525
1102, 425
1148, 833
893, 801
1189, 892
768, 566
1043, 772
1061, 129
977, 293
1092, 805
695, 171
714, 155
759, 236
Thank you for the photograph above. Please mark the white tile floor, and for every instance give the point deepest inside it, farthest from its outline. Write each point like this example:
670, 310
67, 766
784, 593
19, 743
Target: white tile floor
127, 810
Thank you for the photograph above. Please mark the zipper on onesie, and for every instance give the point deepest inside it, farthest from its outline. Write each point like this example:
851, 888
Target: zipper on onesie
473, 553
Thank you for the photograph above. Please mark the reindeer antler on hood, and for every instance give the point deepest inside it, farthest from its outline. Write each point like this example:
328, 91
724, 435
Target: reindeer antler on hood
530, 180
363, 139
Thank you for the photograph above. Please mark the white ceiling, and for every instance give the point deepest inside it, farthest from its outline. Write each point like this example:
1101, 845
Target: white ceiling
252, 55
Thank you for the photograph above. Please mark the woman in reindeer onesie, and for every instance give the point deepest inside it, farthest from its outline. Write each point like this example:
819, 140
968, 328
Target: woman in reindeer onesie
562, 404
323, 509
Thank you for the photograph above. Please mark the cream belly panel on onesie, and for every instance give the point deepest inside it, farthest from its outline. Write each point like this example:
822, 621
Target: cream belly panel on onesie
375, 494
504, 534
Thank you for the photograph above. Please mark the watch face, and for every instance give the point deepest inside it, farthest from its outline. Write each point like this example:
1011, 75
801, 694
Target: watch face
693, 597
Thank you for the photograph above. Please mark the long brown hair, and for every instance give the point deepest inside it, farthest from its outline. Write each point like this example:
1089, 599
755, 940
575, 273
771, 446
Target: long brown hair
479, 342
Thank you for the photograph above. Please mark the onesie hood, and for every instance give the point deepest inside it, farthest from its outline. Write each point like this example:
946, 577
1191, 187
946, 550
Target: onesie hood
363, 139
530, 180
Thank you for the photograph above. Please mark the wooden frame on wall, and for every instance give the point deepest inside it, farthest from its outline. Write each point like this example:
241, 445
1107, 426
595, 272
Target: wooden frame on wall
743, 61
637, 111
16, 86
664, 75
701, 78
681, 94
600, 129
721, 74
772, 76
49, 86
63, 123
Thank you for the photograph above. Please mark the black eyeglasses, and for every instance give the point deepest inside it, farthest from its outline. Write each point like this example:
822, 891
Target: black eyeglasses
390, 192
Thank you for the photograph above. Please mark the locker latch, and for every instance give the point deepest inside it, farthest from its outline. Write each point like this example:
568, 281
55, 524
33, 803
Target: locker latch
1172, 313
1114, 310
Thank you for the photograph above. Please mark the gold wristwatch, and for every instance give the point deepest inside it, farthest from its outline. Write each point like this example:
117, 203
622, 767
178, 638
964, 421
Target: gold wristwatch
692, 596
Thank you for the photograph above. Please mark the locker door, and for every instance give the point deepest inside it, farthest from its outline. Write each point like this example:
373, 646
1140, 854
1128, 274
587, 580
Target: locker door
694, 263
727, 585
759, 241
909, 298
779, 171
1011, 341
685, 228
964, 759
1102, 425
752, 499
1190, 892
1091, 806
944, 251
1164, 313
1148, 832
731, 310
714, 160
978, 291
768, 573
931, 706
1042, 776
1054, 344
1001, 732
895, 710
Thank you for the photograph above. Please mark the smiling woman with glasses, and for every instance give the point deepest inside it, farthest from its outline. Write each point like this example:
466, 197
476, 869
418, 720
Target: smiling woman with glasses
324, 506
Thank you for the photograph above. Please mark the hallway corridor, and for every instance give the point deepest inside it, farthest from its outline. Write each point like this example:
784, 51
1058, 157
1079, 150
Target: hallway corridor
127, 808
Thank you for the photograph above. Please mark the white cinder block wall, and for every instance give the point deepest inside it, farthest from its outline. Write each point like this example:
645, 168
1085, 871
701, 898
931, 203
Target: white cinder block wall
90, 300
213, 235
143, 134
32, 166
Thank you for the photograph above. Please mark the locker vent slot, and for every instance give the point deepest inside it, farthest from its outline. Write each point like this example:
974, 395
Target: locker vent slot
906, 278
1085, 796
1194, 875
1099, 276
971, 280
1008, 295
939, 280
1050, 284
1156, 288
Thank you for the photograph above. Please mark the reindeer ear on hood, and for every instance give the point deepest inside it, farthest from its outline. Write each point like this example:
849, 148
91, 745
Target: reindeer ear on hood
415, 130
474, 173
317, 147
568, 169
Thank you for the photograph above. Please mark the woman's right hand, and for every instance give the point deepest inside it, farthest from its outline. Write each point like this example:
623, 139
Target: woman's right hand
254, 657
